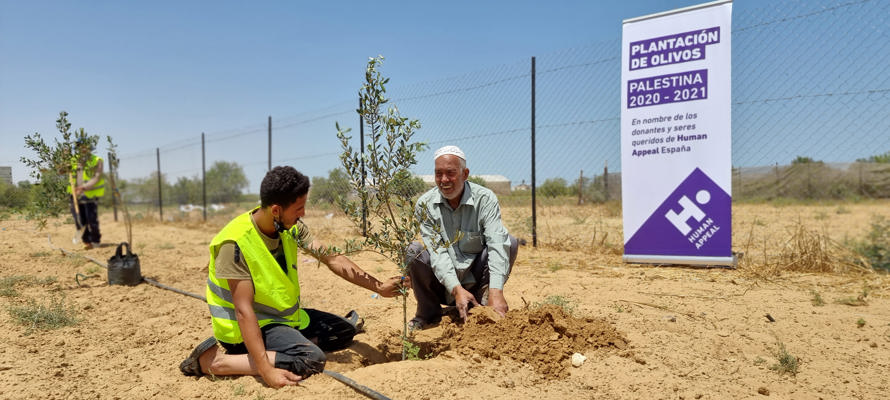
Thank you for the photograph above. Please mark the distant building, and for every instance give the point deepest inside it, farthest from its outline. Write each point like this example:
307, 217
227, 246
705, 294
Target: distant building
522, 186
6, 175
498, 184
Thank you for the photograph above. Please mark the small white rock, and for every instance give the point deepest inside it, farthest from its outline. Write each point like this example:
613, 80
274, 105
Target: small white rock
578, 359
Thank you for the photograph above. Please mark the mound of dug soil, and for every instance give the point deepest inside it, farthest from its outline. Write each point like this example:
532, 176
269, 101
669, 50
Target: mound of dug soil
544, 338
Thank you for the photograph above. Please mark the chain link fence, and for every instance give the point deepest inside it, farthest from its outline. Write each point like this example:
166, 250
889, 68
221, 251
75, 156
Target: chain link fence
811, 115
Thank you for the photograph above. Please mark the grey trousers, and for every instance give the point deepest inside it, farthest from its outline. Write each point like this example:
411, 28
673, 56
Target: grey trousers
296, 351
432, 294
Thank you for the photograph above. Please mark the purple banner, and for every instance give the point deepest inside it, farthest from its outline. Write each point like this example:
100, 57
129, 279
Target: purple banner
672, 49
666, 89
695, 220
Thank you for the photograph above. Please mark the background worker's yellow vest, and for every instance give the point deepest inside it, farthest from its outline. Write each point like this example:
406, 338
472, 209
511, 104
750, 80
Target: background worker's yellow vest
89, 170
276, 295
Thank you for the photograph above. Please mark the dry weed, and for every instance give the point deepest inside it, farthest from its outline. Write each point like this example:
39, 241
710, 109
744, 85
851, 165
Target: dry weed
811, 251
805, 250
584, 229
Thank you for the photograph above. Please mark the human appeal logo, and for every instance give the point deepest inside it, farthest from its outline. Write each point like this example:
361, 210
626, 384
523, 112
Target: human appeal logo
706, 228
694, 220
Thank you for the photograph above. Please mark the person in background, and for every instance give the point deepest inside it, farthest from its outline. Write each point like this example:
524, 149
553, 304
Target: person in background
253, 291
474, 269
87, 185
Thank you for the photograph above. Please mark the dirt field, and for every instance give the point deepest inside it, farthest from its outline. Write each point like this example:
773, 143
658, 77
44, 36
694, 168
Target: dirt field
648, 332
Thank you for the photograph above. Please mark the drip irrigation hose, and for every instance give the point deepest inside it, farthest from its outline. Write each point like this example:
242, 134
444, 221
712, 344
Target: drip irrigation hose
103, 265
50, 240
172, 289
368, 392
80, 276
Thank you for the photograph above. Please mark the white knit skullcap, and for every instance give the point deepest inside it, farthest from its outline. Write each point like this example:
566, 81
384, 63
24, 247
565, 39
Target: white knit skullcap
453, 150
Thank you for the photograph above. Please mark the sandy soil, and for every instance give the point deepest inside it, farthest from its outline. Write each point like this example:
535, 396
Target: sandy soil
648, 332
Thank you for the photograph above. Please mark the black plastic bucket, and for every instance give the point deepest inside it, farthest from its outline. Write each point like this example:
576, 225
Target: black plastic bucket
123, 269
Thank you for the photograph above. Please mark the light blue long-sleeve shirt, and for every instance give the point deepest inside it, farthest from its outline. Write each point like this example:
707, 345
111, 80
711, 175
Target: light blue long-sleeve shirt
478, 217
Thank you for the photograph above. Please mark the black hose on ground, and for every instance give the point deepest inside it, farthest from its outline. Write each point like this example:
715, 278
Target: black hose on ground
50, 240
172, 289
368, 392
103, 265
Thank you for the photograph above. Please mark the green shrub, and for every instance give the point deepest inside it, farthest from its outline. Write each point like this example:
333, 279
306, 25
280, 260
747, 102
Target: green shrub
327, 190
883, 158
566, 304
412, 350
53, 315
554, 187
554, 266
817, 299
15, 197
477, 180
9, 284
408, 185
875, 249
804, 160
787, 363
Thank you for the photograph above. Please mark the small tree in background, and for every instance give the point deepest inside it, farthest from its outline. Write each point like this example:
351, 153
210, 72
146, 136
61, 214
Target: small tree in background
554, 187
225, 181
51, 168
14, 197
381, 178
186, 190
113, 165
803, 160
883, 158
477, 180
328, 190
411, 187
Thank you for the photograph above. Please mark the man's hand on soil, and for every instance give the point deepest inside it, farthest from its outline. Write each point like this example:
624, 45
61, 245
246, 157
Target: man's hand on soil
277, 377
497, 301
463, 299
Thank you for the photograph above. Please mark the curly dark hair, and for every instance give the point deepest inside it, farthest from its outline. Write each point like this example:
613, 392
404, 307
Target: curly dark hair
283, 185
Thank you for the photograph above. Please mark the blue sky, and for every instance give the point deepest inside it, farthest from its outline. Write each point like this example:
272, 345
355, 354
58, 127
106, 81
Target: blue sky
154, 74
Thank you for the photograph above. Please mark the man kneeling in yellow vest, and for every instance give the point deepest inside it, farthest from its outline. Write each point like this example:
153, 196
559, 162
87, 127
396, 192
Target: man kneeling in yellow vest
253, 291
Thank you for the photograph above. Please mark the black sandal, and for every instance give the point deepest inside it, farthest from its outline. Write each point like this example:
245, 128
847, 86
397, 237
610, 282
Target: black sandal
418, 324
191, 366
357, 322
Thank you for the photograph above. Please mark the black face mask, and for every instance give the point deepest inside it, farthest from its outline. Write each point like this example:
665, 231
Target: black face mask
278, 226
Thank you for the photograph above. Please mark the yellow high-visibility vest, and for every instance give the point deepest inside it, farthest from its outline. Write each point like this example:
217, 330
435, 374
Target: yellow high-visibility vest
276, 294
89, 171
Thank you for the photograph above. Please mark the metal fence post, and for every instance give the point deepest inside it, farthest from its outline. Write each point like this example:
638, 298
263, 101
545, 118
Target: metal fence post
361, 135
113, 187
203, 178
861, 188
606, 180
534, 204
580, 187
738, 179
160, 193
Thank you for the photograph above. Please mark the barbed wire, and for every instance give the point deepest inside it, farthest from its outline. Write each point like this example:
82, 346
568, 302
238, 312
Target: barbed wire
814, 95
800, 16
786, 76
